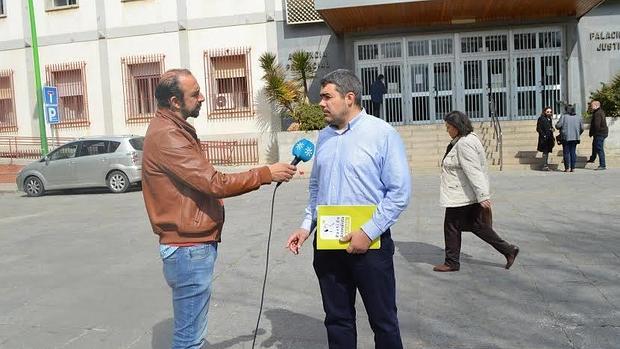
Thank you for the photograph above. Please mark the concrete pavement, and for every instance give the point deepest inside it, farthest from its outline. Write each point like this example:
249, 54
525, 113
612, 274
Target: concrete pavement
81, 270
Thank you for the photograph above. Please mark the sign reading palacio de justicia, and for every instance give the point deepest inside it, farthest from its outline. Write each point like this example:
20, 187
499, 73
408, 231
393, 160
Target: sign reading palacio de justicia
606, 40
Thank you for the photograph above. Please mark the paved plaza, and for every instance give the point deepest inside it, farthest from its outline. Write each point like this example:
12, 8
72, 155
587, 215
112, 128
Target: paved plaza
81, 270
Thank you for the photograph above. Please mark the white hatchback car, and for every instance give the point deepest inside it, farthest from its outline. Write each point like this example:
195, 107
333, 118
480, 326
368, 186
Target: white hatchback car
108, 161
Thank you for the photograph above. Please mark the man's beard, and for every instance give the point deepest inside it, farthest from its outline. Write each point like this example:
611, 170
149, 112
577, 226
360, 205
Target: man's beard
190, 113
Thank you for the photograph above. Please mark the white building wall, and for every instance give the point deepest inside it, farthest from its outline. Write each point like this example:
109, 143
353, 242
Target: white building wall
599, 37
218, 8
16, 60
75, 20
12, 26
136, 13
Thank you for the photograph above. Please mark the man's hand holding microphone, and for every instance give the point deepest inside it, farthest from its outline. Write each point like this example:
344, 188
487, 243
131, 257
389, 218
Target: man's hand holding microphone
302, 151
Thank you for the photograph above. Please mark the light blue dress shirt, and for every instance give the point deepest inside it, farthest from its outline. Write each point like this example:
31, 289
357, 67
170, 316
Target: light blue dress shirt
364, 164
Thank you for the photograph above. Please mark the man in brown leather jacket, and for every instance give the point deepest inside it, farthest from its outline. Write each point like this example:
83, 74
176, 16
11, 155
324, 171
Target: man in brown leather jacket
183, 197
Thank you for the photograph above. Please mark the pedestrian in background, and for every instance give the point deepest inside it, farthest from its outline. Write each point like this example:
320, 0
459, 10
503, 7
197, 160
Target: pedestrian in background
465, 193
598, 132
571, 128
377, 90
544, 127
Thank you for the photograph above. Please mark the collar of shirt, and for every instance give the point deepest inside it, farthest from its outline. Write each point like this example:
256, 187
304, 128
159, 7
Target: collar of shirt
351, 125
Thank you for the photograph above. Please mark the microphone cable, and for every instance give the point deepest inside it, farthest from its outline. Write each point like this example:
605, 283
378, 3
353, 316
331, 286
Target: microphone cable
262, 296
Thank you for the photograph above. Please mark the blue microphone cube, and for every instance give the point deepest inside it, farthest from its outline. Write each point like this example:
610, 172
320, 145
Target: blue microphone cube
303, 150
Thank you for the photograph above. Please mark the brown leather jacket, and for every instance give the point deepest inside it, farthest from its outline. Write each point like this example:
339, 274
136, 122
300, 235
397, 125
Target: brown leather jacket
182, 190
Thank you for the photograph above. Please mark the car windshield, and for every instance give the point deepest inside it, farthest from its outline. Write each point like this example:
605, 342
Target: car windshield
137, 143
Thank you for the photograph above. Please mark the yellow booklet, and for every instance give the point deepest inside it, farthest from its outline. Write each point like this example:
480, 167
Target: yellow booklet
335, 221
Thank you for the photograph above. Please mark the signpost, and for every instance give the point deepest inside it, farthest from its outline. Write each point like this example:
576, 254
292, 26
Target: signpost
50, 104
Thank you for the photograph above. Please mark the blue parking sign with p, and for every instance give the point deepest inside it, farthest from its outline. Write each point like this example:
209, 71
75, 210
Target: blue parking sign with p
50, 104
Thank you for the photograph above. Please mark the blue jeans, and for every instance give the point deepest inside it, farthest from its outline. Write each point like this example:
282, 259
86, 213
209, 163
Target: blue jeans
188, 271
569, 150
598, 148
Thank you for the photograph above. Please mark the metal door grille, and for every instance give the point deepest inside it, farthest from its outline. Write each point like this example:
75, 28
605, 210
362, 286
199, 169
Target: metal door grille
526, 86
393, 99
473, 88
420, 92
511, 74
442, 73
367, 76
551, 83
498, 86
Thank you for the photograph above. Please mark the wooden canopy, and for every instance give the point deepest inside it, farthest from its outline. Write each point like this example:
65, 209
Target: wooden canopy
348, 16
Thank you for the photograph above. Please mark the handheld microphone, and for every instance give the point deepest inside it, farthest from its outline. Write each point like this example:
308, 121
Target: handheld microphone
303, 150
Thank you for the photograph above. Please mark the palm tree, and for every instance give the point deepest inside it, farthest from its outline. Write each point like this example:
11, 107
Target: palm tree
302, 68
283, 93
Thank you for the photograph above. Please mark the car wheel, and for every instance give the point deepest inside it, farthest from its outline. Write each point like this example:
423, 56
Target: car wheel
33, 186
118, 182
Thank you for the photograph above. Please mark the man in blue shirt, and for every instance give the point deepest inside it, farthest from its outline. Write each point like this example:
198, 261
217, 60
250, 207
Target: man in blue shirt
360, 160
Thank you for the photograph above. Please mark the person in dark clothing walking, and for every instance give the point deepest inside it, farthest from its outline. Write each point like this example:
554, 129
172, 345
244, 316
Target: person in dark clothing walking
377, 90
598, 132
546, 142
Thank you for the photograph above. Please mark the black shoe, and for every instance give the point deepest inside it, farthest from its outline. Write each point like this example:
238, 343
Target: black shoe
600, 168
590, 160
510, 259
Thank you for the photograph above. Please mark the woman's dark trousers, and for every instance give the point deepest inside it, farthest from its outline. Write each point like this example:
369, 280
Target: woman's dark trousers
469, 218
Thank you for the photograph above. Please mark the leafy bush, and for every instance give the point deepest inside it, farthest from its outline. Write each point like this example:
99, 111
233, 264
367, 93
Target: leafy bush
310, 117
609, 96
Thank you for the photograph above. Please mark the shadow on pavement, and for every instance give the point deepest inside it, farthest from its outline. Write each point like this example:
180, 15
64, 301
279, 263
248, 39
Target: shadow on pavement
288, 330
420, 252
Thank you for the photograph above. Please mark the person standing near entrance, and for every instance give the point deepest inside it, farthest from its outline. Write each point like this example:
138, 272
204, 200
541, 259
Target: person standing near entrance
377, 90
360, 160
544, 127
571, 128
598, 132
182, 194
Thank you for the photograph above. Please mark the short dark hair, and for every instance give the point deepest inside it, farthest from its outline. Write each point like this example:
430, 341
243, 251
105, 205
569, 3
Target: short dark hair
460, 121
380, 77
570, 109
168, 87
345, 82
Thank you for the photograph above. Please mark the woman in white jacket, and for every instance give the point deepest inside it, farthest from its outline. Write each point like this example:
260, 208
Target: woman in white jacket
464, 192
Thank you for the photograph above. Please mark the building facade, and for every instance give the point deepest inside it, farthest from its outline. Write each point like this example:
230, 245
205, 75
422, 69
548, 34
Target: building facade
507, 57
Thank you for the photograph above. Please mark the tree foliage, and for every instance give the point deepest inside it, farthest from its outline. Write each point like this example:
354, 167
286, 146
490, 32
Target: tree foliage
609, 96
290, 96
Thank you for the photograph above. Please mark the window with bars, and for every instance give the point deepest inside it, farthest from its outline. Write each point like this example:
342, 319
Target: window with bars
538, 40
58, 4
140, 78
69, 79
8, 120
484, 43
229, 83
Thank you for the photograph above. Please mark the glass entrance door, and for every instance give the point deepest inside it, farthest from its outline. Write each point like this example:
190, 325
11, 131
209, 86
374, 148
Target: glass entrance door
391, 109
431, 90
